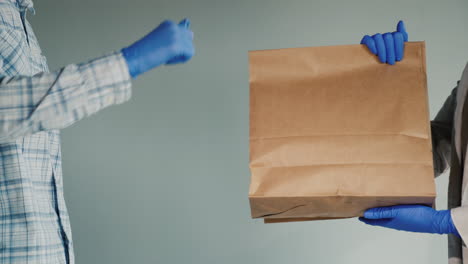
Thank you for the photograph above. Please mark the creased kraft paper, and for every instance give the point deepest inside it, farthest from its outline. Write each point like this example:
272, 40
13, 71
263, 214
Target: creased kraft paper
334, 132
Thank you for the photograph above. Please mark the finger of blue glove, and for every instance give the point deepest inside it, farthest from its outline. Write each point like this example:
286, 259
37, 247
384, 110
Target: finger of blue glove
191, 35
402, 29
186, 53
399, 45
375, 222
380, 45
185, 23
370, 43
186, 34
389, 47
180, 59
381, 212
186, 50
177, 60
188, 42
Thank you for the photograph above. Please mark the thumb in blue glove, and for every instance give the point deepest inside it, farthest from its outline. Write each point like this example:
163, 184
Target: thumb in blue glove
412, 218
389, 47
169, 43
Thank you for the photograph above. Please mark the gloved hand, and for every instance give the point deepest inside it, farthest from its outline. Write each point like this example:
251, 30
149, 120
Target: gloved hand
169, 43
389, 47
413, 218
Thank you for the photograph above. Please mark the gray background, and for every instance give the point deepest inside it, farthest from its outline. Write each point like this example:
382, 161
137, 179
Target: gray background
164, 178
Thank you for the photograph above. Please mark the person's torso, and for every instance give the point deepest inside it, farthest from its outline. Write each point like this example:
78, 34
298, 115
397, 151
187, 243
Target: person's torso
460, 132
458, 186
34, 225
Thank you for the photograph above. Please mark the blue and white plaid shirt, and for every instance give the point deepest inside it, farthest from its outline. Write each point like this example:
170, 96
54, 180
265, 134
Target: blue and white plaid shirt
34, 104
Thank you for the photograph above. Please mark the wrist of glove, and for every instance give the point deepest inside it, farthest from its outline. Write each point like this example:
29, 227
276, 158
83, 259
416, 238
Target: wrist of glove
412, 218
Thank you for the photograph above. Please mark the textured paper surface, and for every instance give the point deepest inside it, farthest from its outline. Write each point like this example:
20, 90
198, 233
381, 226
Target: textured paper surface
334, 132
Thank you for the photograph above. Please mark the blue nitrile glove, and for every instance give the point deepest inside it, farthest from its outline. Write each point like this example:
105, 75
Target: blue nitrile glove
413, 218
389, 47
169, 43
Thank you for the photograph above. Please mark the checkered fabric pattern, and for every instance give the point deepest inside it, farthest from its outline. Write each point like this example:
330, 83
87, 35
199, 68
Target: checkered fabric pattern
34, 105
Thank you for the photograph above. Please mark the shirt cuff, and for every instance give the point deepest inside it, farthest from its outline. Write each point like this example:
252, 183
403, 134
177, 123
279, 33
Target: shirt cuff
111, 80
460, 220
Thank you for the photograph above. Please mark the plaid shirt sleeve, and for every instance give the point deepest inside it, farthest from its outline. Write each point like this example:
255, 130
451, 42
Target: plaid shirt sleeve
45, 101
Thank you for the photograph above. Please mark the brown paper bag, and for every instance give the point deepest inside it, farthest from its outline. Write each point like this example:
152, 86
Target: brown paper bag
334, 132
